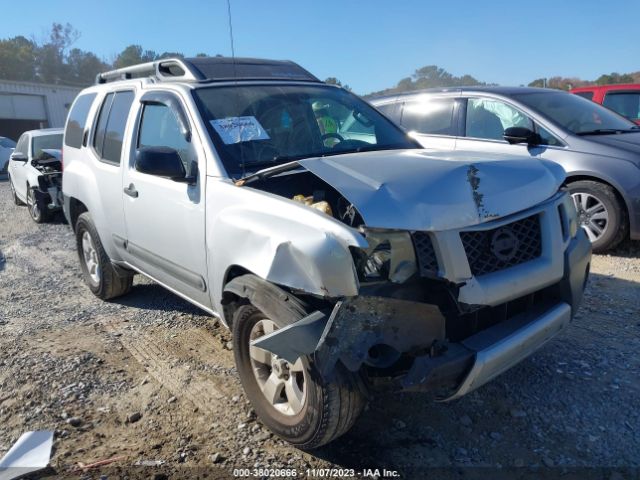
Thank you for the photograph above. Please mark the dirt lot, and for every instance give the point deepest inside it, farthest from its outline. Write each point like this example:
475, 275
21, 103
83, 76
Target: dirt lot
149, 378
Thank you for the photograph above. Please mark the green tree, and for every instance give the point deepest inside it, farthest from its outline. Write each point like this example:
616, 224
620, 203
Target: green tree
82, 67
133, 55
50, 56
18, 59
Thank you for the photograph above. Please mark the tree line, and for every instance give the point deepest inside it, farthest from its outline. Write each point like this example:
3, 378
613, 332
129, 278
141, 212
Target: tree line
433, 76
54, 60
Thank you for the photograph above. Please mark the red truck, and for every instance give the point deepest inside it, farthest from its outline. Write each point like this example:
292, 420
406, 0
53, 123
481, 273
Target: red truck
622, 98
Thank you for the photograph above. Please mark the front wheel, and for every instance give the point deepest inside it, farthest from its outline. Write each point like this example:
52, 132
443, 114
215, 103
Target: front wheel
97, 270
38, 212
600, 213
292, 399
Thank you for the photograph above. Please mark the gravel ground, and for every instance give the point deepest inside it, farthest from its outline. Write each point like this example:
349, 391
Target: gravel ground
149, 379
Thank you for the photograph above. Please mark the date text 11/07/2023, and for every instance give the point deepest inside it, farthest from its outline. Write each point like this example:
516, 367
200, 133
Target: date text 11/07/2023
315, 473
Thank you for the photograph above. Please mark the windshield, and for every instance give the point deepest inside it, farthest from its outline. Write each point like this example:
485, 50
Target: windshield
574, 113
7, 142
257, 126
44, 142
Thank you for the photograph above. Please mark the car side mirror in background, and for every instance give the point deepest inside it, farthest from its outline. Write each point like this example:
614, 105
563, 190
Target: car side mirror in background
161, 162
18, 157
515, 135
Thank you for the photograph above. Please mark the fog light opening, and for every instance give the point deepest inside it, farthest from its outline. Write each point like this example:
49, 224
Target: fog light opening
382, 356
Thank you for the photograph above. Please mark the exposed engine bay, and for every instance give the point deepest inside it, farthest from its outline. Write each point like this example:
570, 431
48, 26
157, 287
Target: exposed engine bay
49, 191
305, 187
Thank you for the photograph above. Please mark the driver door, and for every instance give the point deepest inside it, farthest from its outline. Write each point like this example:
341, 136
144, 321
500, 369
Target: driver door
165, 218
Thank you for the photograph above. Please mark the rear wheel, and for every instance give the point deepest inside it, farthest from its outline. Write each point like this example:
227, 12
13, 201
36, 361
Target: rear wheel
292, 399
600, 213
97, 270
39, 213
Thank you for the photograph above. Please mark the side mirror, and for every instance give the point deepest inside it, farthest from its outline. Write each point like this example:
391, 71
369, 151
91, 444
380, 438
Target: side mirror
515, 135
161, 162
18, 157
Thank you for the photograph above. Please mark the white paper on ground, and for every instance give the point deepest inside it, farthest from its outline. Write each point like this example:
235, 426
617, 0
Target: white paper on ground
239, 129
30, 453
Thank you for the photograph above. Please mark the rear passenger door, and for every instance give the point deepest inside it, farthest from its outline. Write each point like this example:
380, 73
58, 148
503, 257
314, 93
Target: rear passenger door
431, 120
165, 218
106, 147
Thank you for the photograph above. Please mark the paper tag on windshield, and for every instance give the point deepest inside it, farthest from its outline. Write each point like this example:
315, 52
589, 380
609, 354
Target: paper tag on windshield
239, 129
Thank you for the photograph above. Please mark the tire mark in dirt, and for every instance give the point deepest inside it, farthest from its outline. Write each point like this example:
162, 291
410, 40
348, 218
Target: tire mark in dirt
170, 363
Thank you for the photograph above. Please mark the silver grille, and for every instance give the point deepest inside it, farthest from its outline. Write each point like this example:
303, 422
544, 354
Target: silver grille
503, 247
427, 261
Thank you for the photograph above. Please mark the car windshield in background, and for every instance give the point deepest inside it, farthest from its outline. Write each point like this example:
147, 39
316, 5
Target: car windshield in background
7, 142
576, 114
45, 142
257, 126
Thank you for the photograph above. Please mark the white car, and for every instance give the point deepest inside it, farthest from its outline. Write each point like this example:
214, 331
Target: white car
35, 172
6, 148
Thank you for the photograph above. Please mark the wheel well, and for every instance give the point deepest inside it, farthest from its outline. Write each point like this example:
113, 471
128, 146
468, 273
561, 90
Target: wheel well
76, 208
231, 301
620, 198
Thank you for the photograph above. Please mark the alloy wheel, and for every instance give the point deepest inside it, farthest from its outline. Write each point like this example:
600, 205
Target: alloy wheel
283, 384
592, 214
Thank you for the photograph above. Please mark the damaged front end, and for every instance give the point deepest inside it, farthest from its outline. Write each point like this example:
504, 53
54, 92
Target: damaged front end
410, 327
456, 285
48, 192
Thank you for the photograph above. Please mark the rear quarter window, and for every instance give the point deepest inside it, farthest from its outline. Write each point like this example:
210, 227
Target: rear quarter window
587, 95
77, 119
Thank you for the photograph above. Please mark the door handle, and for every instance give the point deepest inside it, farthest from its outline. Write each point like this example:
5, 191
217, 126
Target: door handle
131, 190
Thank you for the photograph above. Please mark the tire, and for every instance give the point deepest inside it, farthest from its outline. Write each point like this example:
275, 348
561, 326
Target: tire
595, 201
37, 213
328, 409
16, 200
97, 270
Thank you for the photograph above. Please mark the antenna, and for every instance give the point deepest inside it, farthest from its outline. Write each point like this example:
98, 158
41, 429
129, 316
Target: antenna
233, 51
235, 75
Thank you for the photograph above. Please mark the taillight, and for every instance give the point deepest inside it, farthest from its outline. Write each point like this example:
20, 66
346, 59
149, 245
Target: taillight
61, 160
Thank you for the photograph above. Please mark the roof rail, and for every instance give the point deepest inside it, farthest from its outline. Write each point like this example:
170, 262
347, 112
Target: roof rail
166, 70
211, 69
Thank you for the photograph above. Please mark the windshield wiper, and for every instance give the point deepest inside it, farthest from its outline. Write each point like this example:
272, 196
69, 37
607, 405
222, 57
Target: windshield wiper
608, 131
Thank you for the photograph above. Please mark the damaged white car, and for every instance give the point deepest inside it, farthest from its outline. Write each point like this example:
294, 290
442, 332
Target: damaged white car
344, 258
35, 172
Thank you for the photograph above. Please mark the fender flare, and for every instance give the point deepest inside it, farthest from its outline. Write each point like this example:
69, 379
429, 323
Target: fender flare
265, 296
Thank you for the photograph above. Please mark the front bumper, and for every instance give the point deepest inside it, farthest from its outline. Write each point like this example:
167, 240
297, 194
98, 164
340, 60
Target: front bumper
356, 328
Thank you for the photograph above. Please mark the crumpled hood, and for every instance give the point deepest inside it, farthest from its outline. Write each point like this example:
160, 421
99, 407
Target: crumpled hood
418, 190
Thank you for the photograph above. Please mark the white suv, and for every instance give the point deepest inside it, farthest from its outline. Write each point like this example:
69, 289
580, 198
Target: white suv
341, 255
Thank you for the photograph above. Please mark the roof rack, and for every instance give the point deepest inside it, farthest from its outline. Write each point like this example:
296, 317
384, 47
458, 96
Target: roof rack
210, 69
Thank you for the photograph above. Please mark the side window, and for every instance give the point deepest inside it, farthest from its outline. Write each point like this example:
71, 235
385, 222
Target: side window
160, 128
547, 138
490, 118
77, 119
111, 124
23, 145
101, 125
430, 116
625, 103
587, 95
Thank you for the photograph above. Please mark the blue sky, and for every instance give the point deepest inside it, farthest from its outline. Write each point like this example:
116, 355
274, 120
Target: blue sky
369, 45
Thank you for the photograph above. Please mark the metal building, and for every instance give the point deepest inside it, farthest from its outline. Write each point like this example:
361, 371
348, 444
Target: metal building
27, 106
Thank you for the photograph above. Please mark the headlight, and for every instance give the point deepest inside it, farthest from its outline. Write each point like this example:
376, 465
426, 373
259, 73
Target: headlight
390, 256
